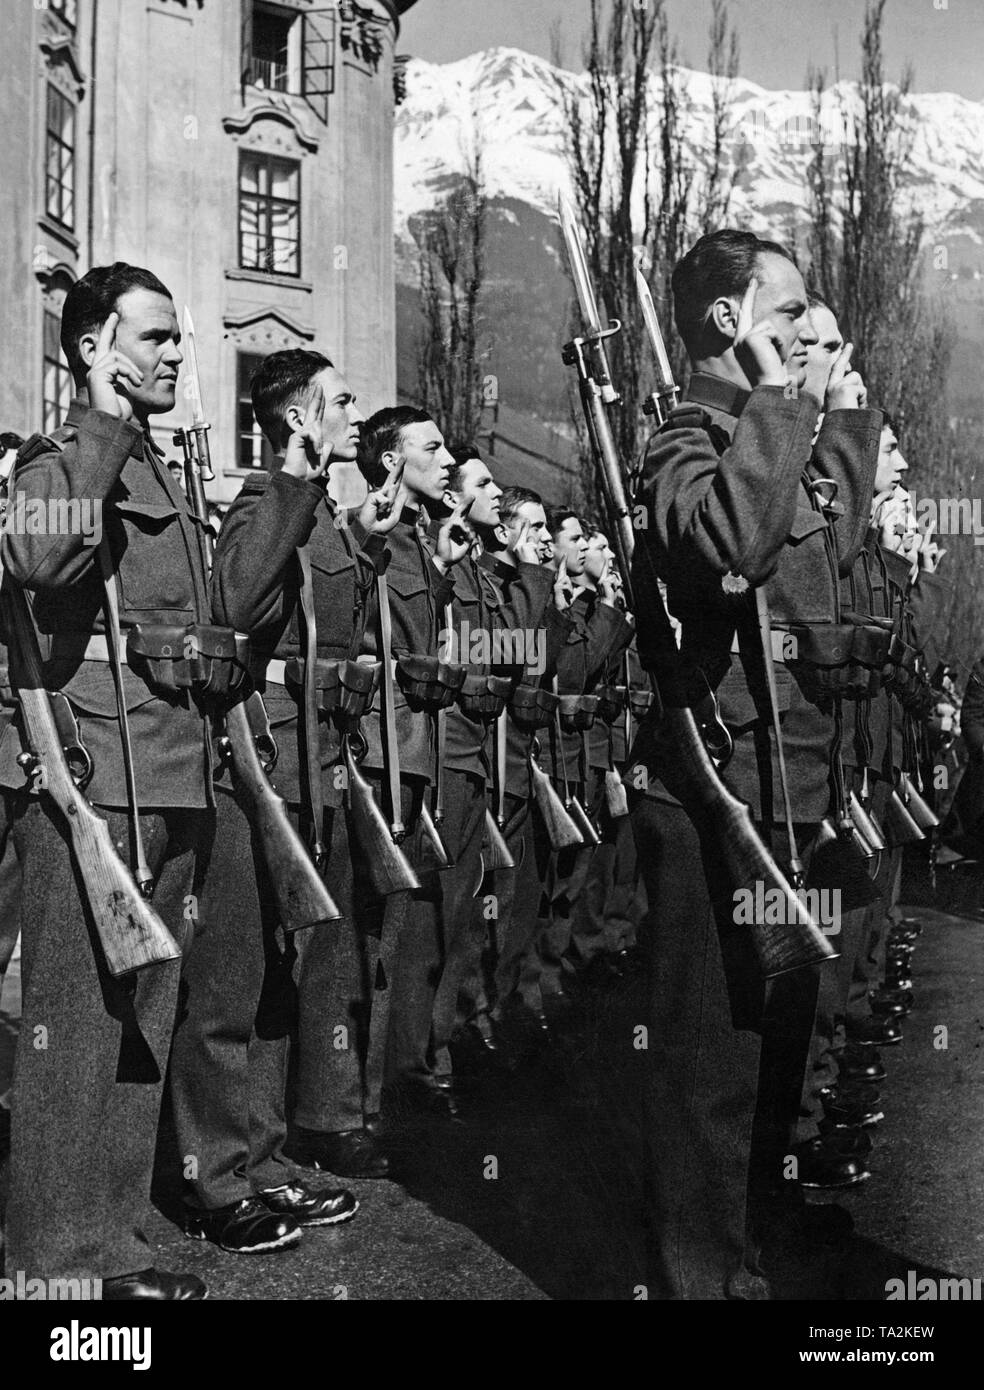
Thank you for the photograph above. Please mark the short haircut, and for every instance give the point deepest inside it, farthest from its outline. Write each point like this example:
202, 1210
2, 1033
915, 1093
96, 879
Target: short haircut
383, 432
719, 265
462, 454
282, 380
512, 499
556, 516
91, 300
889, 423
816, 300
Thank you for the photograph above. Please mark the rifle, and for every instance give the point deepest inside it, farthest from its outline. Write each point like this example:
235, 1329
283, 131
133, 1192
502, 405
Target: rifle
684, 764
302, 898
130, 932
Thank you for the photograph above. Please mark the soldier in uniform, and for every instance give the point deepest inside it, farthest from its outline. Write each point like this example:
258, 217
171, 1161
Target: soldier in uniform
729, 505
481, 609
257, 584
420, 584
93, 1049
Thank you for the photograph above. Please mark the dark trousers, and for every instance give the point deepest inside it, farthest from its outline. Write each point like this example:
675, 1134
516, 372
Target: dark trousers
334, 991
829, 1036
91, 1057
517, 893
228, 1059
611, 905
705, 1003
563, 874
10, 883
463, 926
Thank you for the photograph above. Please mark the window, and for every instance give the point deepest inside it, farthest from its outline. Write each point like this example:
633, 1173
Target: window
284, 51
269, 214
254, 448
60, 158
57, 379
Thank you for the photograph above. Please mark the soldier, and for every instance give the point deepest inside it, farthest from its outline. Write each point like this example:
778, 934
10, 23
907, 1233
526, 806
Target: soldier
726, 503
282, 527
599, 631
86, 1102
420, 585
498, 634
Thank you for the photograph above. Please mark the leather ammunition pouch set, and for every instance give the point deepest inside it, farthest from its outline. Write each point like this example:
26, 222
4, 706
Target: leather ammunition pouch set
483, 698
209, 661
611, 702
532, 707
428, 683
344, 688
845, 659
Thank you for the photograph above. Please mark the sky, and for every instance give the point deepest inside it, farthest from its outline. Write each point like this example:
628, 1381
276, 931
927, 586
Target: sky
944, 39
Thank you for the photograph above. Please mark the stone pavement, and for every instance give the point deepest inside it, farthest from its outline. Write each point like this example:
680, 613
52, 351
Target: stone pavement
540, 1193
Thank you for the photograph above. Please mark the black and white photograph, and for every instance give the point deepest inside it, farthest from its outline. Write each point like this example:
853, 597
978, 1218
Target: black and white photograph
492, 669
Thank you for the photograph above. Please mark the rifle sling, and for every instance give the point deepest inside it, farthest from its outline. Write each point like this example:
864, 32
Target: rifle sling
390, 746
111, 609
312, 736
765, 634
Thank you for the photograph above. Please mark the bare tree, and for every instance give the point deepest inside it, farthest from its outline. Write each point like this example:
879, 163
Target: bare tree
640, 194
451, 242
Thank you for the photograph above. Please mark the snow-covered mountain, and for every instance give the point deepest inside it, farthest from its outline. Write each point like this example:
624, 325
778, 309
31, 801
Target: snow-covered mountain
513, 100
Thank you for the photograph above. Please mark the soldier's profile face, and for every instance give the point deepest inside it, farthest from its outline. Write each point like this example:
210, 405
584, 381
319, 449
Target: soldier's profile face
829, 342
476, 485
539, 533
597, 558
342, 415
891, 464
570, 544
781, 297
148, 334
428, 462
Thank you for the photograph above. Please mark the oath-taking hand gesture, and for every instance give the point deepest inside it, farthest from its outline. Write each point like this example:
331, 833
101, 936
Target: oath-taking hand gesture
563, 588
845, 389
383, 508
455, 538
525, 550
758, 346
308, 452
109, 367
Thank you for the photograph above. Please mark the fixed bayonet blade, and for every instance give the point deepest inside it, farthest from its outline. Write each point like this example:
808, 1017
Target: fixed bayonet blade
194, 376
663, 369
579, 269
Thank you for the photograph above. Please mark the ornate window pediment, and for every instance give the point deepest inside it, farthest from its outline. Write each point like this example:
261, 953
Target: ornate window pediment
265, 330
273, 126
63, 65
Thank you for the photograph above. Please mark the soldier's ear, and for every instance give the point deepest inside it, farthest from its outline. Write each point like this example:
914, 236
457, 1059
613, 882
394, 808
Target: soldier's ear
88, 344
293, 418
501, 533
723, 314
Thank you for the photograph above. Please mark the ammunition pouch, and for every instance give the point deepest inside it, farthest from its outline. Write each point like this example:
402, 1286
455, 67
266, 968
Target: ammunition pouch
483, 697
429, 683
209, 661
342, 687
611, 702
842, 659
640, 702
577, 712
533, 708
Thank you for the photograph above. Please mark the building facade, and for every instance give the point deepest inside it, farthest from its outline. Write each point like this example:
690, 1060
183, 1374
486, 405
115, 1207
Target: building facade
242, 150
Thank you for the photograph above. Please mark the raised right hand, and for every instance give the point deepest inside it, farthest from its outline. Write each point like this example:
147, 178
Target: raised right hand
525, 550
757, 346
563, 588
308, 453
109, 366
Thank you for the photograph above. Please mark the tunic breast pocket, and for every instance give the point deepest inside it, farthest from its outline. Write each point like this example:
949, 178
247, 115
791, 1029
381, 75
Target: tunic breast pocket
410, 609
335, 598
802, 588
153, 566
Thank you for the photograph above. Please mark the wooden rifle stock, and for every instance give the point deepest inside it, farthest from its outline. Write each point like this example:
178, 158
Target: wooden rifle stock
302, 898
130, 932
561, 829
388, 867
495, 851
